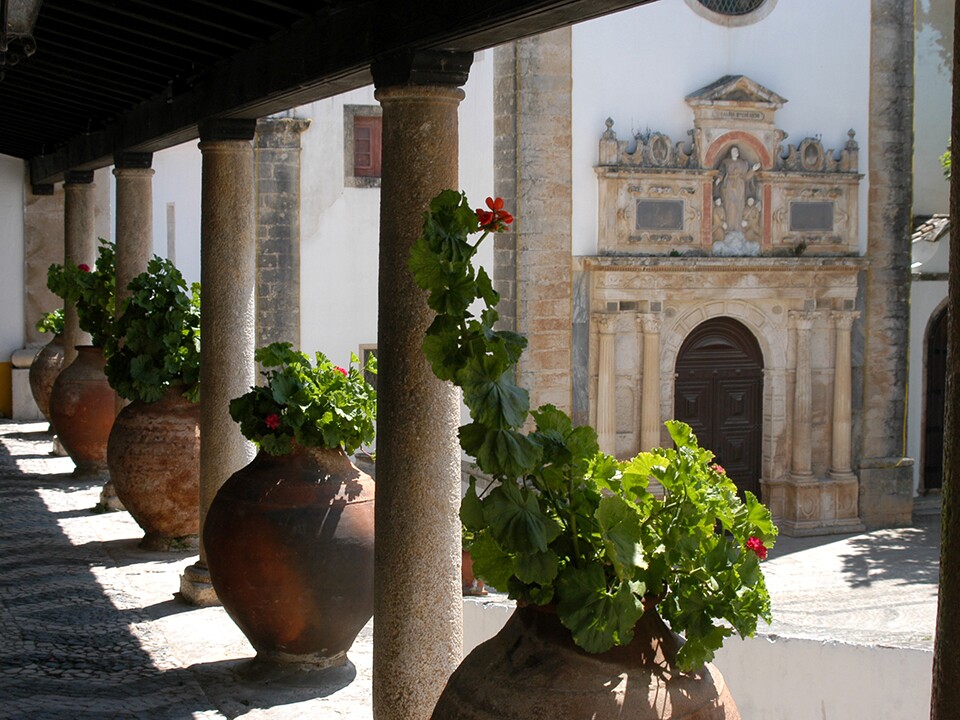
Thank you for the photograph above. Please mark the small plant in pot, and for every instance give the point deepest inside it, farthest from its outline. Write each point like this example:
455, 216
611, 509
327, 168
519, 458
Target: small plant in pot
595, 560
289, 537
82, 404
154, 447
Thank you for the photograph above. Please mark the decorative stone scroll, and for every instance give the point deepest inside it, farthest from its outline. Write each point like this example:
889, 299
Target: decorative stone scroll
732, 189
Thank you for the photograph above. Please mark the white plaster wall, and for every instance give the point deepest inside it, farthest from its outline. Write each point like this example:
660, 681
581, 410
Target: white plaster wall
176, 181
11, 243
932, 71
777, 678
637, 66
339, 225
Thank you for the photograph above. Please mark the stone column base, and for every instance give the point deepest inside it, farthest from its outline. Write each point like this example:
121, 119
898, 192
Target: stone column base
814, 506
196, 587
886, 491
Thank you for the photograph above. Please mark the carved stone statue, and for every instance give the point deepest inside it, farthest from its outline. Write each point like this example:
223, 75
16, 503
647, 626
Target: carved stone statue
735, 173
751, 221
719, 228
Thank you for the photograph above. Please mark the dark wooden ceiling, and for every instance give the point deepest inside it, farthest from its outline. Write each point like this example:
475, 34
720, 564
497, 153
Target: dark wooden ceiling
119, 75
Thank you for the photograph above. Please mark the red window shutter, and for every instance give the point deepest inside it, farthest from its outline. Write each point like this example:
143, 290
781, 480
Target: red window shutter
366, 145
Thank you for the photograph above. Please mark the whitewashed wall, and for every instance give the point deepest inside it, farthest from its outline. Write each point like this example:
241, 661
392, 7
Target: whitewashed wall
933, 63
11, 269
638, 65
176, 207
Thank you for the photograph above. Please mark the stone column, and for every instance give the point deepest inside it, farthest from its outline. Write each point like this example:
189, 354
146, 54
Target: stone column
228, 279
134, 218
607, 383
802, 399
532, 172
79, 247
840, 451
650, 424
277, 148
886, 476
418, 601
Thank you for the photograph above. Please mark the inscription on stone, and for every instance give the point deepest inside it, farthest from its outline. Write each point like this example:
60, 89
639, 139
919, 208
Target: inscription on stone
811, 216
659, 215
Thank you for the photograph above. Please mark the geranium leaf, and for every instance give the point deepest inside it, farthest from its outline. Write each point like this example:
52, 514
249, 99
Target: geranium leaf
490, 563
620, 530
516, 520
540, 568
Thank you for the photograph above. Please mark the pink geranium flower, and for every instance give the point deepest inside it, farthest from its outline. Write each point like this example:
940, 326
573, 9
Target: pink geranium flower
342, 371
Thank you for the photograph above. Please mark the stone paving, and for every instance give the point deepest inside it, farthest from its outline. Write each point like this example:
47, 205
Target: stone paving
90, 626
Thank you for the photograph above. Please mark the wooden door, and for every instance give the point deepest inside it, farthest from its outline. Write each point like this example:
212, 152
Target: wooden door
719, 393
936, 395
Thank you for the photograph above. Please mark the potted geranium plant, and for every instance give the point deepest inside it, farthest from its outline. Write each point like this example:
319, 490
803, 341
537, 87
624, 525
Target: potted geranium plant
82, 404
48, 361
153, 360
594, 559
289, 537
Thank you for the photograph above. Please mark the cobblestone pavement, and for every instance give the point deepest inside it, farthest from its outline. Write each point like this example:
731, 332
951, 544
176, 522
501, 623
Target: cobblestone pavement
90, 627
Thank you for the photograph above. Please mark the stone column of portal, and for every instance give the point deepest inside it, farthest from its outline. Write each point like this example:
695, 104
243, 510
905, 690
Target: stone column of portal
607, 383
802, 399
418, 605
650, 424
134, 218
840, 452
79, 247
228, 278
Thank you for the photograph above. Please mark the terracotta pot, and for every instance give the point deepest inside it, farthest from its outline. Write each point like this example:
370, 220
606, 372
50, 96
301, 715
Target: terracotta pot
472, 585
154, 460
533, 670
289, 544
82, 410
43, 372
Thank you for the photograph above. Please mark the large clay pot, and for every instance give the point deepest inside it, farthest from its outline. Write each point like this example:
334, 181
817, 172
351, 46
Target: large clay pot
43, 372
154, 460
289, 544
82, 410
532, 670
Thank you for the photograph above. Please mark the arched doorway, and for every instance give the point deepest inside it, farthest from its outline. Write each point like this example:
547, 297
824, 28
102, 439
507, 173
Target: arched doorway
936, 369
719, 393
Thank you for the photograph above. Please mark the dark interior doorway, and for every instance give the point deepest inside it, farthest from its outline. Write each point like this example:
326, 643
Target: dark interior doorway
719, 393
936, 369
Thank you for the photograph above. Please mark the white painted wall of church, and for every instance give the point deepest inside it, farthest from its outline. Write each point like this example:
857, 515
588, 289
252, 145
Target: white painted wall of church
11, 269
638, 65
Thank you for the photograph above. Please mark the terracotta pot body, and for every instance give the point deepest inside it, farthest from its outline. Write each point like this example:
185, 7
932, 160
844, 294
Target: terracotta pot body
82, 410
43, 372
472, 585
532, 670
154, 460
289, 544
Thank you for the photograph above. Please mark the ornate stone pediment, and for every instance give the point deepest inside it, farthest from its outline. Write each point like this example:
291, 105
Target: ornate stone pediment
732, 188
736, 89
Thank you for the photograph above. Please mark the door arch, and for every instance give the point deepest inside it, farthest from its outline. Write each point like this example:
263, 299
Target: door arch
719, 393
936, 383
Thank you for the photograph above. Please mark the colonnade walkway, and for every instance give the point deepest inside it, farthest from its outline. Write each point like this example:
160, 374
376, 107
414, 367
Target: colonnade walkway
90, 627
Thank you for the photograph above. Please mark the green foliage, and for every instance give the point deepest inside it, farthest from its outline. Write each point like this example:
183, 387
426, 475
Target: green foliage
945, 162
157, 339
51, 322
319, 405
91, 290
565, 523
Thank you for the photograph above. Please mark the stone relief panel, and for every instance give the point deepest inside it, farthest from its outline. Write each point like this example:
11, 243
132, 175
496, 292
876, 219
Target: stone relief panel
732, 189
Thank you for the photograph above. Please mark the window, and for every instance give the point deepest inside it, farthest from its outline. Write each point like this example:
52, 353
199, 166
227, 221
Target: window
362, 129
732, 13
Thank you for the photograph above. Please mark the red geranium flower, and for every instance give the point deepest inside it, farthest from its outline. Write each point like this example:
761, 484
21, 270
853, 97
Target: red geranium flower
273, 421
718, 469
496, 218
756, 544
83, 267
342, 371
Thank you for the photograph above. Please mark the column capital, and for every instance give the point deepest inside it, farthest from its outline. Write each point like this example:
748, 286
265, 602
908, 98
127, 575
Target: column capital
844, 319
213, 129
78, 177
802, 319
422, 67
649, 323
606, 322
132, 160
